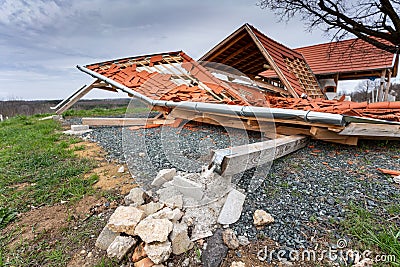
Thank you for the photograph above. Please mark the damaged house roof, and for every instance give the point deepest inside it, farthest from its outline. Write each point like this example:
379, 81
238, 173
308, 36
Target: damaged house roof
251, 52
351, 59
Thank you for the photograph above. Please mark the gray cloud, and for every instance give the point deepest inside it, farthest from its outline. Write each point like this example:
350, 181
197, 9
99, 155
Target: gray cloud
42, 40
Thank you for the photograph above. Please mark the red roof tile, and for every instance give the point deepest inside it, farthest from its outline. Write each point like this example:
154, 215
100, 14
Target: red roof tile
345, 56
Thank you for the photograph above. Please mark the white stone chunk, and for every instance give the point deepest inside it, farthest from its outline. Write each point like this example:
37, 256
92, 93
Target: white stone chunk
232, 208
154, 230
120, 246
124, 219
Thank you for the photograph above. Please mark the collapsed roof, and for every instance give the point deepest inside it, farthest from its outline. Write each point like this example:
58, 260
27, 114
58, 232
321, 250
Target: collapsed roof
210, 92
251, 52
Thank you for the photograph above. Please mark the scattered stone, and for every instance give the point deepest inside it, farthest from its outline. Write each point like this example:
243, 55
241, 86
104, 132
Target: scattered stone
121, 169
139, 253
164, 176
174, 202
396, 179
89, 255
261, 218
364, 263
215, 252
150, 208
188, 188
120, 246
238, 264
105, 238
186, 262
158, 252
243, 241
151, 230
167, 213
230, 239
135, 197
232, 208
83, 251
124, 219
180, 239
142, 154
146, 262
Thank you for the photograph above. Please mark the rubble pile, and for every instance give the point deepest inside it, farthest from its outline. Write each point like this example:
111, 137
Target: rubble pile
182, 210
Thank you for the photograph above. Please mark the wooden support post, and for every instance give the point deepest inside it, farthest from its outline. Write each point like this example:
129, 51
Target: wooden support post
124, 121
230, 161
75, 98
389, 75
380, 92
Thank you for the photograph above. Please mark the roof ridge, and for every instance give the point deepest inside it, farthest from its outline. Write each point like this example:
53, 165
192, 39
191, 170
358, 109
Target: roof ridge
269, 38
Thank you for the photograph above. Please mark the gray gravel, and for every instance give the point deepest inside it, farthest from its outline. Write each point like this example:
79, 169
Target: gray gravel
306, 192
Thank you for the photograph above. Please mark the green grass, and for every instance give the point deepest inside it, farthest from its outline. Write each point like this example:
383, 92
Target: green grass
37, 168
104, 112
373, 231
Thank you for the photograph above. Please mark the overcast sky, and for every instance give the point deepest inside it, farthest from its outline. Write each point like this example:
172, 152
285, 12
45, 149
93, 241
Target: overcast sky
41, 41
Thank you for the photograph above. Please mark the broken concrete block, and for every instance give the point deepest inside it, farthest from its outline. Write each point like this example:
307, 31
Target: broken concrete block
261, 218
243, 241
230, 239
146, 262
188, 188
124, 219
135, 197
154, 230
232, 208
180, 239
151, 208
164, 176
120, 246
174, 202
167, 192
78, 128
105, 238
158, 252
167, 213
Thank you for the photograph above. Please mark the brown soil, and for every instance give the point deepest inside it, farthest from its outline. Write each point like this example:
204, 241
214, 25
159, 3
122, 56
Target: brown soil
109, 177
50, 222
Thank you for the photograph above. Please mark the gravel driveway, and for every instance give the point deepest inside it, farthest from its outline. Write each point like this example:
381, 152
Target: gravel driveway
306, 192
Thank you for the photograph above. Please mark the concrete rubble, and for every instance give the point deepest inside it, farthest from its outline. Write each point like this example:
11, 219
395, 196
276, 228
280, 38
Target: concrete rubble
169, 218
261, 218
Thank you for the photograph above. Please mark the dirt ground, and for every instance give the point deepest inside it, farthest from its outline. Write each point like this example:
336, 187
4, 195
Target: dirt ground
60, 221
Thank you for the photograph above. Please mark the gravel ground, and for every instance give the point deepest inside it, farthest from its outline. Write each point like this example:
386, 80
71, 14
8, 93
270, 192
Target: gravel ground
306, 191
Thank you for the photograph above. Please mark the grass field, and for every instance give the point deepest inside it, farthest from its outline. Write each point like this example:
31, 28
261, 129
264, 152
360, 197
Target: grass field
37, 169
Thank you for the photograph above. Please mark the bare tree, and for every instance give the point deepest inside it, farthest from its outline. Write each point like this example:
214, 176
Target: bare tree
363, 91
374, 21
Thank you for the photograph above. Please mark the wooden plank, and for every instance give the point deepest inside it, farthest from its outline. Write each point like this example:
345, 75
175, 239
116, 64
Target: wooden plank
368, 129
75, 98
287, 130
326, 135
230, 161
124, 121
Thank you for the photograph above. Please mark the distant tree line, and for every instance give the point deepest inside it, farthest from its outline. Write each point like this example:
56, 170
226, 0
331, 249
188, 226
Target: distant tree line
11, 108
367, 90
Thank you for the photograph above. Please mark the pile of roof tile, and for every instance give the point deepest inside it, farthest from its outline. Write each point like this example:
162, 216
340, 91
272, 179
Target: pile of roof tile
155, 84
381, 110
